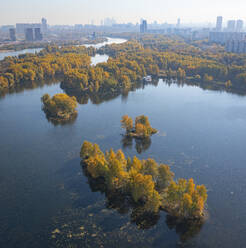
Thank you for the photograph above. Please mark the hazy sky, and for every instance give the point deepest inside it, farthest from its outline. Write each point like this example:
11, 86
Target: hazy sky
83, 11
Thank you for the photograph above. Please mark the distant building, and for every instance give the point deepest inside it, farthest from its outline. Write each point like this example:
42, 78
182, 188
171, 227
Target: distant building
143, 27
38, 34
109, 21
178, 23
78, 27
219, 23
239, 26
231, 26
44, 26
236, 46
12, 34
6, 28
29, 34
223, 37
21, 27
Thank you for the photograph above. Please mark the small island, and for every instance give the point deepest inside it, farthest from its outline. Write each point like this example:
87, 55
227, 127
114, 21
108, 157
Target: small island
149, 185
142, 127
59, 107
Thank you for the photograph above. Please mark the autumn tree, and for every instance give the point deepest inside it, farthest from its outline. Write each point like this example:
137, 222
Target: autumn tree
146, 182
60, 106
127, 123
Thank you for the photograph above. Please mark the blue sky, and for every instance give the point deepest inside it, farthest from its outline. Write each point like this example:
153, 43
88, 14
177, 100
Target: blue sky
83, 11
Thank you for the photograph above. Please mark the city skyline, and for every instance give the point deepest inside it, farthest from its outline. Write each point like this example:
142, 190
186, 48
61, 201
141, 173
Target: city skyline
72, 12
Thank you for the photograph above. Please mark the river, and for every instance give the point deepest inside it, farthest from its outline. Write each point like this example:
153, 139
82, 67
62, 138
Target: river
45, 197
16, 53
36, 50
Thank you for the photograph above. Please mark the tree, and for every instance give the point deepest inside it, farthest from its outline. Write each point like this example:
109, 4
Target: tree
127, 123
87, 150
165, 176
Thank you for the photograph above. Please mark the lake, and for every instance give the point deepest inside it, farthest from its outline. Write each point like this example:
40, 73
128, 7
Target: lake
45, 197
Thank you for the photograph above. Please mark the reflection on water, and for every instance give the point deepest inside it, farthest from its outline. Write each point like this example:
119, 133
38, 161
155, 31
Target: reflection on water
185, 229
47, 201
141, 145
96, 225
61, 122
100, 97
28, 85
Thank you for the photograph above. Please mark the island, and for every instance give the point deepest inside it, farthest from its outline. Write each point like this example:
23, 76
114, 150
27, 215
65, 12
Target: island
148, 184
59, 107
142, 127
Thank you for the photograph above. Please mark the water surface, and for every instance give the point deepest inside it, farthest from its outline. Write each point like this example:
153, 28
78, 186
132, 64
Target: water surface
16, 53
45, 197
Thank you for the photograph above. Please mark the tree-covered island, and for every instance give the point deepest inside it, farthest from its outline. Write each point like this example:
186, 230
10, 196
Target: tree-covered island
142, 128
60, 106
149, 185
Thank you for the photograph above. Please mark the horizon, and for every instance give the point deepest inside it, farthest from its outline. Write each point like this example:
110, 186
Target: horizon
84, 11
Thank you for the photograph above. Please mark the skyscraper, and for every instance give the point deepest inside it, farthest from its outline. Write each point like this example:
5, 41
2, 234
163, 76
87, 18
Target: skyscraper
219, 23
239, 25
38, 35
178, 23
44, 25
12, 34
231, 25
29, 34
143, 26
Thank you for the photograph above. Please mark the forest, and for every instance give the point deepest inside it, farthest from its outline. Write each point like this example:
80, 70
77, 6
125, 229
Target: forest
156, 55
147, 183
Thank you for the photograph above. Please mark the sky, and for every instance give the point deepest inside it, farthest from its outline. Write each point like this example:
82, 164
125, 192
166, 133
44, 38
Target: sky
84, 11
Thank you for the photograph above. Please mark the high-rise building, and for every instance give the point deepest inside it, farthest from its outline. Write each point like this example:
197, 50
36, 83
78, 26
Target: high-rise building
239, 25
21, 27
29, 34
219, 23
236, 46
12, 34
38, 34
143, 26
44, 25
231, 25
223, 37
178, 23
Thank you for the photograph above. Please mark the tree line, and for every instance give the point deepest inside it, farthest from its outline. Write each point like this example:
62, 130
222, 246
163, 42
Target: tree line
160, 56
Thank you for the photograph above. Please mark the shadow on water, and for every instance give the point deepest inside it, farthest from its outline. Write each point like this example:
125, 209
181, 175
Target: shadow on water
141, 145
27, 85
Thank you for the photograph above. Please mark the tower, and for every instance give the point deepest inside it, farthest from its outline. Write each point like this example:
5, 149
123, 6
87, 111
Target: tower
44, 25
38, 34
219, 23
239, 25
143, 26
231, 25
12, 34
